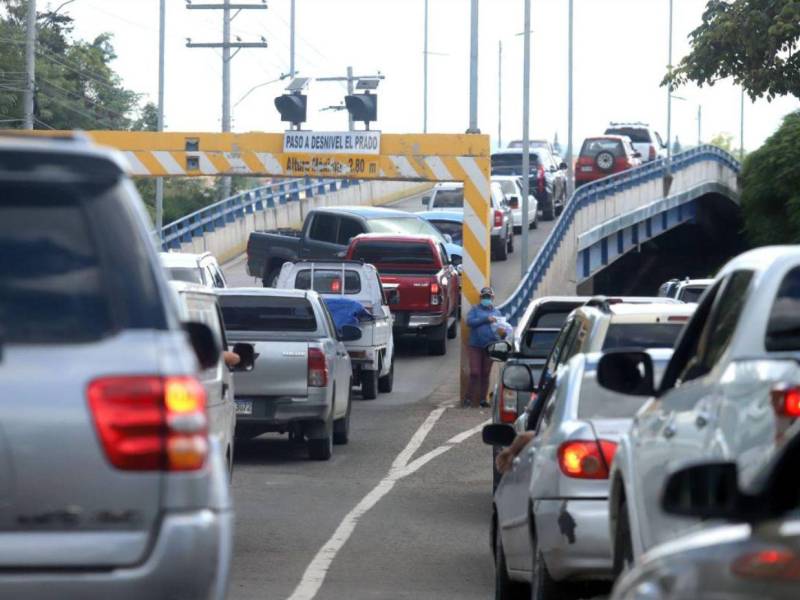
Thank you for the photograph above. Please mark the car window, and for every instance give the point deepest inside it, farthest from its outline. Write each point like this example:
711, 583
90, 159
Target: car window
323, 228
448, 198
219, 278
511, 163
329, 281
593, 147
453, 228
411, 225
783, 327
725, 317
443, 252
638, 135
329, 320
691, 293
412, 255
187, 274
509, 187
558, 347
267, 313
641, 335
348, 229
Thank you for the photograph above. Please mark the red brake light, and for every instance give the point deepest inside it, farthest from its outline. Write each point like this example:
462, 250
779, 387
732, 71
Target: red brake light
498, 218
508, 404
317, 368
586, 459
150, 423
540, 180
677, 319
336, 286
768, 564
434, 288
786, 401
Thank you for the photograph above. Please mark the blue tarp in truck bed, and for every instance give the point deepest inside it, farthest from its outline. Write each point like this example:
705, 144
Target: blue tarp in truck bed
346, 312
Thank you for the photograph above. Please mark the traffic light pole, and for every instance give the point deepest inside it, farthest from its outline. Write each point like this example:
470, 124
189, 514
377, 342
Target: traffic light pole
350, 79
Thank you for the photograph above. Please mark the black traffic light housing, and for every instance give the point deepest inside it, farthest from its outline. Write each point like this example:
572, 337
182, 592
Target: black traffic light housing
293, 108
362, 107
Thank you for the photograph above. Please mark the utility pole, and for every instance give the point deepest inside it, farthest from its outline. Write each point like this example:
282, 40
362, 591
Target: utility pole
30, 65
291, 41
570, 163
226, 45
741, 128
425, 75
526, 148
473, 69
669, 93
162, 24
350, 79
699, 124
500, 94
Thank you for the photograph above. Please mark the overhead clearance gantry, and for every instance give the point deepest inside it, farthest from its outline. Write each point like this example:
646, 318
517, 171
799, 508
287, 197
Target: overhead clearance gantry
348, 155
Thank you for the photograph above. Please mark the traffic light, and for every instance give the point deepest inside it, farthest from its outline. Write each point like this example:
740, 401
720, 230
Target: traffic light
362, 107
292, 108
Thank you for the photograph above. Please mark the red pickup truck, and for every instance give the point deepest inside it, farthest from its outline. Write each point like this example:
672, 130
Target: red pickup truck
422, 285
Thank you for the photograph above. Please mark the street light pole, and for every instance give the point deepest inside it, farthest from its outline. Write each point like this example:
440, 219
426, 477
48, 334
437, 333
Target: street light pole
500, 94
162, 24
669, 91
526, 150
473, 69
741, 128
291, 41
425, 75
699, 124
570, 167
30, 65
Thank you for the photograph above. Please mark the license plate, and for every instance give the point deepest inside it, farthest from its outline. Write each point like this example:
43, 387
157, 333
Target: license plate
586, 169
244, 407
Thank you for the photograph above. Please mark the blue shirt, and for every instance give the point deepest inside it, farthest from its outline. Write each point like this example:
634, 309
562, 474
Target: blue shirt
480, 330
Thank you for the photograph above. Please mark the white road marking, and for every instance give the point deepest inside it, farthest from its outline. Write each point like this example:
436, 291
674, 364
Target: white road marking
315, 573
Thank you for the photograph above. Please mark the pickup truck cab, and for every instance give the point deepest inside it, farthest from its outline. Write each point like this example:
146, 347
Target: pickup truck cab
421, 282
372, 356
326, 233
301, 381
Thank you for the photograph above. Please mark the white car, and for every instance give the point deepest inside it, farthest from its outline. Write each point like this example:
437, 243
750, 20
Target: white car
512, 190
202, 268
644, 139
372, 355
730, 391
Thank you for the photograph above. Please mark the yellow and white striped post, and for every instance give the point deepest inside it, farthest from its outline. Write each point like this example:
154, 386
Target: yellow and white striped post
413, 157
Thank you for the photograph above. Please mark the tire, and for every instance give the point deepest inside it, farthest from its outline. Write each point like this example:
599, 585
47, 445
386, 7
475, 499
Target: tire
502, 252
548, 212
271, 278
341, 427
504, 587
535, 224
386, 383
623, 547
369, 385
604, 161
452, 331
322, 448
510, 244
437, 343
543, 586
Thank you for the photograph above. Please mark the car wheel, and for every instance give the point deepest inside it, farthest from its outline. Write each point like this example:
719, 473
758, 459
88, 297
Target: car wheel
535, 224
341, 427
504, 587
623, 546
437, 343
369, 385
548, 212
322, 448
510, 242
386, 383
502, 251
452, 331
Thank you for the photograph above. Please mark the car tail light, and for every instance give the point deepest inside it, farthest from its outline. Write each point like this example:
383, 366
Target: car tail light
586, 459
336, 286
677, 319
317, 368
436, 294
498, 218
151, 423
652, 153
768, 564
786, 401
508, 404
540, 180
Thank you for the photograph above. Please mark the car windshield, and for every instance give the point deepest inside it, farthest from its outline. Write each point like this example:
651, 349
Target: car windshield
380, 252
452, 228
329, 281
641, 335
511, 163
638, 135
187, 274
692, 293
448, 199
593, 147
405, 226
267, 313
509, 187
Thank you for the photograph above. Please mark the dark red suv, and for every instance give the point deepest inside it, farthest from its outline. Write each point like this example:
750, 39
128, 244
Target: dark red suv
603, 156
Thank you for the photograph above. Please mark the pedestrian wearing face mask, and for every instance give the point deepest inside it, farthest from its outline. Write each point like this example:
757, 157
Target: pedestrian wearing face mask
481, 334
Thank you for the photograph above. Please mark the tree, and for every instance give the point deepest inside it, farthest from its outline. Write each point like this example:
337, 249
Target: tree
753, 41
723, 140
770, 182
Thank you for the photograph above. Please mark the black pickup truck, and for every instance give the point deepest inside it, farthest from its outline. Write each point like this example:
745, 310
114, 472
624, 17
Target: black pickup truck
326, 233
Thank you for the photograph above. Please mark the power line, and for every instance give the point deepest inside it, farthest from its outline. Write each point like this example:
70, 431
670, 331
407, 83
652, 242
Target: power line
79, 97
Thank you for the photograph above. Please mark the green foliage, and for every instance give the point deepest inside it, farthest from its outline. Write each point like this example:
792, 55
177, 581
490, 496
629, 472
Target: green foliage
753, 41
723, 140
770, 183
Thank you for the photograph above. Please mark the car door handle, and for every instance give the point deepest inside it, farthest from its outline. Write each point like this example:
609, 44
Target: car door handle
669, 431
225, 390
702, 420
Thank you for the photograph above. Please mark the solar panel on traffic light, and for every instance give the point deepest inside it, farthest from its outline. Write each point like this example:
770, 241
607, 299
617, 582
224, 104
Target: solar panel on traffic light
292, 107
362, 107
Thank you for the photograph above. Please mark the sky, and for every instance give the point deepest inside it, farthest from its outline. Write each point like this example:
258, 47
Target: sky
620, 56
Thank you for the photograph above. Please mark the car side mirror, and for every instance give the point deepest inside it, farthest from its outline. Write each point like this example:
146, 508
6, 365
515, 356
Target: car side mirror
426, 200
518, 378
204, 344
498, 434
563, 166
627, 372
455, 260
247, 356
349, 333
513, 201
553, 169
499, 351
637, 154
706, 491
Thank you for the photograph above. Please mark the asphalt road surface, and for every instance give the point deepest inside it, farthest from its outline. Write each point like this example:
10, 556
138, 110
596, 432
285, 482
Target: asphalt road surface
401, 512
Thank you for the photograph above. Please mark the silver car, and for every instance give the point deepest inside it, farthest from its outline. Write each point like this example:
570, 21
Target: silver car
110, 486
754, 556
550, 522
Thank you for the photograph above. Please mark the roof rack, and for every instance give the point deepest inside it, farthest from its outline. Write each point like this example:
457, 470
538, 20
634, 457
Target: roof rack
602, 302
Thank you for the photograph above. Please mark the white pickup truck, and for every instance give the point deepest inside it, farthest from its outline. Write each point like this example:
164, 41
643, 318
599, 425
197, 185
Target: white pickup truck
372, 356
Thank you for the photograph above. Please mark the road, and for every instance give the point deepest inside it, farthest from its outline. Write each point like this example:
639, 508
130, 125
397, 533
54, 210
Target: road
402, 511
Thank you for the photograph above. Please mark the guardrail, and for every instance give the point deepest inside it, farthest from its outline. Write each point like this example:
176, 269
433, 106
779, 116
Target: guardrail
229, 210
592, 193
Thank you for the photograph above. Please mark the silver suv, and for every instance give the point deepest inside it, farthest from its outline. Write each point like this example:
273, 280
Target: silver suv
110, 486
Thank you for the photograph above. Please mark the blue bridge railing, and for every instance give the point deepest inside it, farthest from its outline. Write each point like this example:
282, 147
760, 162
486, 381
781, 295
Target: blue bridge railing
588, 194
229, 210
